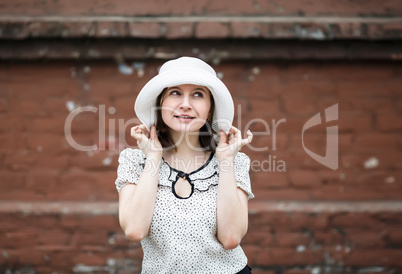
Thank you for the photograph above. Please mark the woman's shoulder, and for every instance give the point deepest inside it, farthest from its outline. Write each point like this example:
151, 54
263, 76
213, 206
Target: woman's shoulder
242, 157
132, 153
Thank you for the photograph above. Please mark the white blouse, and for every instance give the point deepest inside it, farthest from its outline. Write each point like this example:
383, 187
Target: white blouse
182, 236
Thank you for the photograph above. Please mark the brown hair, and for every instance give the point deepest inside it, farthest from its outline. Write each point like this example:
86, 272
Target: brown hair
206, 139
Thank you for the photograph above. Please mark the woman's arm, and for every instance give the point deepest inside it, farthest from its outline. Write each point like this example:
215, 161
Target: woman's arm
232, 208
137, 202
232, 203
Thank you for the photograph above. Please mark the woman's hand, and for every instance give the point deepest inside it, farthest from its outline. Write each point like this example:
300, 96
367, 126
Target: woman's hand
231, 143
147, 142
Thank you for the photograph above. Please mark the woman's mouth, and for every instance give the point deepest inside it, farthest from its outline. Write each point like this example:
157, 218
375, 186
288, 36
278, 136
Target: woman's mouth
184, 118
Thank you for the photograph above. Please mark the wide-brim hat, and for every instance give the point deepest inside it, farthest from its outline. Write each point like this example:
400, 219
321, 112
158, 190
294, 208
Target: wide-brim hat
186, 70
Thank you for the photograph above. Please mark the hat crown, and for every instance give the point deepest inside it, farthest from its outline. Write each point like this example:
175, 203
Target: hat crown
186, 63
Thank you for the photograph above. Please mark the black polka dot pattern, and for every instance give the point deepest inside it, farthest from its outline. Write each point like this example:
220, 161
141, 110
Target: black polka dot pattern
182, 237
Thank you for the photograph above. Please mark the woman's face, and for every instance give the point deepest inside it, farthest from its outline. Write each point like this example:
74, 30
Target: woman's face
186, 107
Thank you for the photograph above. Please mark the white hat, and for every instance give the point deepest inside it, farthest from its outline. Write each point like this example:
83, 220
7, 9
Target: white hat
186, 70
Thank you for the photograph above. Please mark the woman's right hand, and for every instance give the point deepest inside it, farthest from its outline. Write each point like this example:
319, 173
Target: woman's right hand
147, 142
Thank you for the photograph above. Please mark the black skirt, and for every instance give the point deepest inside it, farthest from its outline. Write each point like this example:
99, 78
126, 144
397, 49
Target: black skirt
245, 270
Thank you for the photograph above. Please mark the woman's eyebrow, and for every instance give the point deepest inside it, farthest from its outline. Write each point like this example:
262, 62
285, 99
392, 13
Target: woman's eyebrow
201, 89
169, 88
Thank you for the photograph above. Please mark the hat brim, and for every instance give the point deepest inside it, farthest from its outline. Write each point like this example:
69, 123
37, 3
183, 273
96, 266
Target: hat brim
146, 99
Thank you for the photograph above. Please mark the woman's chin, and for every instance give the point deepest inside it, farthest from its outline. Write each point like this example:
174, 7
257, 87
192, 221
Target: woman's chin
185, 129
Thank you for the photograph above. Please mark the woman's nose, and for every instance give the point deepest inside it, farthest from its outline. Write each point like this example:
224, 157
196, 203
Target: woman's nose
185, 103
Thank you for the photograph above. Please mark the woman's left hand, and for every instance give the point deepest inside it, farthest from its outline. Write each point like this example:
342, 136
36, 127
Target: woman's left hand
231, 143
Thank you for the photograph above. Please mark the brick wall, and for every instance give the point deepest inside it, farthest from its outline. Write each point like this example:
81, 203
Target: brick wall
58, 204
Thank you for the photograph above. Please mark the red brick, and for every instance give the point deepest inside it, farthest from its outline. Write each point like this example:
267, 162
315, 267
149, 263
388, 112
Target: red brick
354, 122
261, 271
88, 186
395, 238
346, 193
299, 160
262, 108
296, 219
288, 257
389, 122
366, 239
335, 177
177, 30
291, 239
13, 221
54, 237
258, 238
201, 8
145, 30
47, 142
296, 271
20, 160
45, 125
246, 29
379, 179
90, 223
11, 123
304, 178
264, 85
282, 194
21, 238
300, 106
120, 240
332, 237
267, 180
124, 105
95, 160
376, 257
316, 142
362, 89
25, 256
378, 105
43, 162
93, 238
375, 142
62, 259
111, 29
101, 88
385, 160
355, 220
211, 30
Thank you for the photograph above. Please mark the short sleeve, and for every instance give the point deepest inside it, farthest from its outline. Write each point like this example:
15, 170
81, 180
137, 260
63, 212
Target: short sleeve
242, 175
131, 164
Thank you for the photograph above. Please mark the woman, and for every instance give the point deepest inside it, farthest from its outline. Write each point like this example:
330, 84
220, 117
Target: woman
184, 193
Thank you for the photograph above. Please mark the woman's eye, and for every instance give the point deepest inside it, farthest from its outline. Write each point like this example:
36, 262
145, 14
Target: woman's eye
174, 92
198, 94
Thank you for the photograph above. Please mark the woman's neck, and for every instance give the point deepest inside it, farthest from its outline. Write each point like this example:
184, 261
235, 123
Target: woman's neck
187, 144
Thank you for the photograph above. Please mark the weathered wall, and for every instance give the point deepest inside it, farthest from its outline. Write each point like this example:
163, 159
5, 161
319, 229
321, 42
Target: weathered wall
280, 59
36, 155
307, 219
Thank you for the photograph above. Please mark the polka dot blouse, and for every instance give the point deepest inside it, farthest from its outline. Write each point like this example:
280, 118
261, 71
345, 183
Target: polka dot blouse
182, 236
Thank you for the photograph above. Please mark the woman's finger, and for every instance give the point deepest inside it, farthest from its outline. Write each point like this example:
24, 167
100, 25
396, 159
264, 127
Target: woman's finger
222, 137
153, 134
134, 132
248, 139
144, 130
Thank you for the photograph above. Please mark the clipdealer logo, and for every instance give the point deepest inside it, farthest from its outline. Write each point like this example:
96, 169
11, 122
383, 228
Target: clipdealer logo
330, 159
272, 164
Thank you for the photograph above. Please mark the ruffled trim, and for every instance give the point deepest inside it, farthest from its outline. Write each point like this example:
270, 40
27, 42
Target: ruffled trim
132, 162
202, 178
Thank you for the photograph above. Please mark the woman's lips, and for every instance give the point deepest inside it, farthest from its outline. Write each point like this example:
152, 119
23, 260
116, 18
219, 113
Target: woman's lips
184, 118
